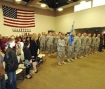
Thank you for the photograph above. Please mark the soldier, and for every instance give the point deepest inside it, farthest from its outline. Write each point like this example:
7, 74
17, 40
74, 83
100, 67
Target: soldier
66, 38
42, 42
83, 44
61, 49
77, 45
97, 43
69, 50
93, 43
49, 43
56, 37
88, 44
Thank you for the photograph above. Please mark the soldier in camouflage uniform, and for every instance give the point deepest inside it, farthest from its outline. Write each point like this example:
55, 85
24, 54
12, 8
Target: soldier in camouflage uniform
83, 45
77, 45
97, 43
88, 44
42, 42
93, 43
49, 43
61, 50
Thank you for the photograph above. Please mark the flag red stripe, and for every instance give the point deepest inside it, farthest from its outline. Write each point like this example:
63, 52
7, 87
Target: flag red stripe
23, 12
19, 26
18, 23
19, 20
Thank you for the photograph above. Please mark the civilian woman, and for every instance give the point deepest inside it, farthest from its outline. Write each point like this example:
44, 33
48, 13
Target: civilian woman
34, 50
27, 56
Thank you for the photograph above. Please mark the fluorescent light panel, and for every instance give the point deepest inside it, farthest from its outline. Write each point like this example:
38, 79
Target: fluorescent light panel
43, 5
18, 0
60, 9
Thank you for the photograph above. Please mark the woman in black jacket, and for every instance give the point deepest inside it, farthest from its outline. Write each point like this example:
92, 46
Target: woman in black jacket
27, 56
34, 48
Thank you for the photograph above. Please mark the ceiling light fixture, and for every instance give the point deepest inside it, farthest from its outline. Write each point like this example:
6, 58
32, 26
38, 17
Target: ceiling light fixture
60, 9
43, 5
18, 0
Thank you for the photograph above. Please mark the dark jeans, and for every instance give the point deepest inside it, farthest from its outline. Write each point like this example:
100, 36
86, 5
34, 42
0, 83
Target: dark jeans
2, 83
27, 70
11, 80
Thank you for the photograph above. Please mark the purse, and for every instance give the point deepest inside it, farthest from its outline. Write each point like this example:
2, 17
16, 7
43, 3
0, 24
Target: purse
27, 63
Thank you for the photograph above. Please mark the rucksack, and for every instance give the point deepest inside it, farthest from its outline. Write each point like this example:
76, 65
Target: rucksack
11, 60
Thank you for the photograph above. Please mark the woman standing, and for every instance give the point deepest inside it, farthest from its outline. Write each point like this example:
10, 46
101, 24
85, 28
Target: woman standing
27, 56
34, 48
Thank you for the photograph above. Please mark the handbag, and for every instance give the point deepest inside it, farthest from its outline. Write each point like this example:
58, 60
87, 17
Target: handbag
27, 63
2, 71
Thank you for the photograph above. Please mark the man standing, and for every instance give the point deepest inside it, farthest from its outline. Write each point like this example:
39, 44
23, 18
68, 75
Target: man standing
77, 45
93, 43
88, 44
42, 42
11, 61
97, 43
61, 50
83, 44
49, 42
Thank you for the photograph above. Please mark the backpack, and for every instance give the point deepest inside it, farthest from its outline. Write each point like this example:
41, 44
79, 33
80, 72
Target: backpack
11, 60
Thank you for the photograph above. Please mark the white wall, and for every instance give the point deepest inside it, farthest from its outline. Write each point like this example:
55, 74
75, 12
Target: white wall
42, 24
94, 17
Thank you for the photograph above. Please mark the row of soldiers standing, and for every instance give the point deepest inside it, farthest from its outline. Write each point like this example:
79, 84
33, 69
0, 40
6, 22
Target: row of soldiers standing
82, 45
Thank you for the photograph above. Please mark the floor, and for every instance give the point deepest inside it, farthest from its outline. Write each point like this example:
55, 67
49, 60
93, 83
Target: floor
85, 73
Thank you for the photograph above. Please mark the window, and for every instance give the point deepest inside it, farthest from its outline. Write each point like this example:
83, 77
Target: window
98, 3
82, 6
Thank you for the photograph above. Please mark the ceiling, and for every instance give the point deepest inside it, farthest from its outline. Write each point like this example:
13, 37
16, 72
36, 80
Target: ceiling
53, 4
57, 3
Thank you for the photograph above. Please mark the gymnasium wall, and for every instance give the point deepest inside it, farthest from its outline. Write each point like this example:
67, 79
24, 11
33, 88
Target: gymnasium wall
94, 17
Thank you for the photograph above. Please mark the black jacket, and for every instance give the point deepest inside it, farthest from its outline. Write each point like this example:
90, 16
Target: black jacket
27, 54
11, 60
34, 48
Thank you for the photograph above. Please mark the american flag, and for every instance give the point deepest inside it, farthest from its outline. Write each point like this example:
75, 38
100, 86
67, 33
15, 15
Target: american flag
18, 18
